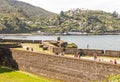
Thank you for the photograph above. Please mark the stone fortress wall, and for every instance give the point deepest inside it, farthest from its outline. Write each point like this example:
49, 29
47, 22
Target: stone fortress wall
58, 67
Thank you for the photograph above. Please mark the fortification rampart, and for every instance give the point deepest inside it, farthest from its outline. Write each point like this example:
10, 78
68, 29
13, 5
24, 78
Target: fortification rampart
67, 69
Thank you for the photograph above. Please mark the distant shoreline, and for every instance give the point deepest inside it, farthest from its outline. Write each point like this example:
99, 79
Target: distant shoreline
30, 34
22, 34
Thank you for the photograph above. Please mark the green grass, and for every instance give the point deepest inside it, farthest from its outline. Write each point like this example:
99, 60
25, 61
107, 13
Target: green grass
72, 45
112, 78
35, 47
10, 75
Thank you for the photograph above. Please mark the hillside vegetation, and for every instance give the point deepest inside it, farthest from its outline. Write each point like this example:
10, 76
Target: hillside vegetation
89, 21
20, 17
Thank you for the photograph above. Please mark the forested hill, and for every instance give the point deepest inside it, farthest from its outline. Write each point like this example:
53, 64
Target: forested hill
28, 9
20, 17
89, 21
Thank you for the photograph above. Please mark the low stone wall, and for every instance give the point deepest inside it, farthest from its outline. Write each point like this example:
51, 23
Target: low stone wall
57, 50
89, 52
67, 69
109, 53
21, 41
72, 51
112, 53
10, 45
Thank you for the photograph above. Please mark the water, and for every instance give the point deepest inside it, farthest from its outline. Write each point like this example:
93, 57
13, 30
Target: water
105, 42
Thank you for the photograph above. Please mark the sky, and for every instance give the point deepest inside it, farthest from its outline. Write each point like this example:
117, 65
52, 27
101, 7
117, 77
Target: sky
63, 5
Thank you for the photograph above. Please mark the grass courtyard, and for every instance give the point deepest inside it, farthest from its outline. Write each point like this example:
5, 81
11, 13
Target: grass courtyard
10, 75
35, 47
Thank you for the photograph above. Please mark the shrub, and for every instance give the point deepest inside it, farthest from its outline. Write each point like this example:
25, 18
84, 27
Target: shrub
72, 45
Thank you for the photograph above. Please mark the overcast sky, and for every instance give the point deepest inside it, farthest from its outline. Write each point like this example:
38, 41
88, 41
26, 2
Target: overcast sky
58, 5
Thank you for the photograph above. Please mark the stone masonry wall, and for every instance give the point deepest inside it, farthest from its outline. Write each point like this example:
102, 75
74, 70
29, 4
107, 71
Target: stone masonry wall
89, 52
63, 68
109, 53
112, 53
67, 50
21, 41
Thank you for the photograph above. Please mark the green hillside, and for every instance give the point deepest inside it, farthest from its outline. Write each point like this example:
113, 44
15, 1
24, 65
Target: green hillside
20, 17
89, 21
29, 10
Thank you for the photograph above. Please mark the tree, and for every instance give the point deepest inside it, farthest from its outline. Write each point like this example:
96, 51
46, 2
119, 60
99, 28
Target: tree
115, 14
62, 14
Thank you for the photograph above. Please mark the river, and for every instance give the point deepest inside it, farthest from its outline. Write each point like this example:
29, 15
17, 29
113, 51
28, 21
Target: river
105, 42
